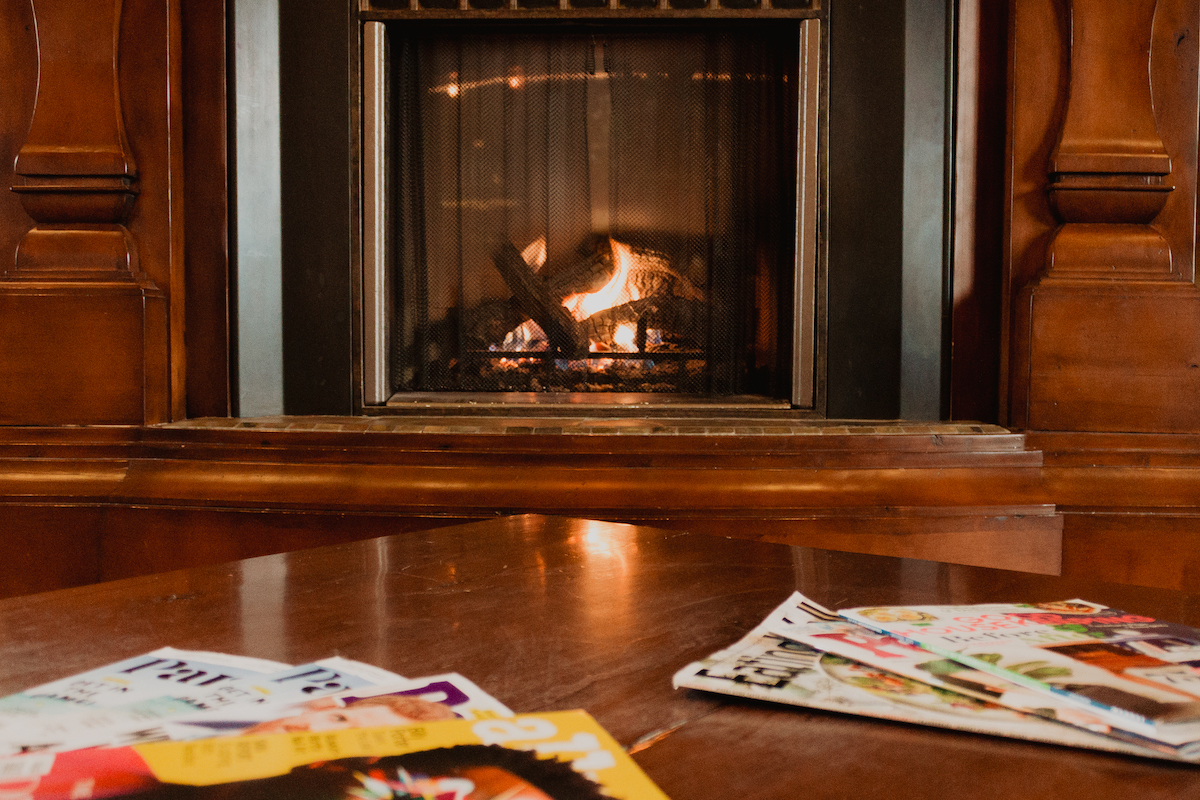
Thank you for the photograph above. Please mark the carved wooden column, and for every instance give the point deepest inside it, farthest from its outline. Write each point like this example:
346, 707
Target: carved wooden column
1106, 331
84, 336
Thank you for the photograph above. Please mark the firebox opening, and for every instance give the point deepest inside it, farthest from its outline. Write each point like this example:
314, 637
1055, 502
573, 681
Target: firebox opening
592, 210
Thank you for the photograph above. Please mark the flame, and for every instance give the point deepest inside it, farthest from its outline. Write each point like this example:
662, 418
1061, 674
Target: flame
618, 290
625, 337
527, 337
535, 253
622, 287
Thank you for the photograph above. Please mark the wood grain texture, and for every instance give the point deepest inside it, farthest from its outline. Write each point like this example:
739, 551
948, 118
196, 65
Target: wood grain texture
186, 496
553, 613
206, 209
1101, 302
85, 295
1129, 503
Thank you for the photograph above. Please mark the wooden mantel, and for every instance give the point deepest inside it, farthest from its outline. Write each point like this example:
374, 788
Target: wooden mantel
117, 454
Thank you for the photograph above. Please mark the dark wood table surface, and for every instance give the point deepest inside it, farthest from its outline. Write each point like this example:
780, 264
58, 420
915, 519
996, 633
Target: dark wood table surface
550, 613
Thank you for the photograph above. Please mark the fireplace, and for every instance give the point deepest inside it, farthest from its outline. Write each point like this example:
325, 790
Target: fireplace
583, 206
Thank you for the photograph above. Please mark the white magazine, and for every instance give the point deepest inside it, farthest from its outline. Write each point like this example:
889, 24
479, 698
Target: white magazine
130, 680
1140, 674
451, 693
143, 719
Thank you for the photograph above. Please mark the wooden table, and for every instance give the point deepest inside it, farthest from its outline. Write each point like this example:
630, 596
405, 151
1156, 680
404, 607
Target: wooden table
551, 613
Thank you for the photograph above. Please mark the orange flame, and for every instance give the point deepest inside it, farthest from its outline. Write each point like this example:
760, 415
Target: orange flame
618, 290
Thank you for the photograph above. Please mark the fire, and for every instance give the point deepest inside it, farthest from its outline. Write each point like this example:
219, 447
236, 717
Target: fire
635, 272
528, 337
618, 290
535, 253
625, 337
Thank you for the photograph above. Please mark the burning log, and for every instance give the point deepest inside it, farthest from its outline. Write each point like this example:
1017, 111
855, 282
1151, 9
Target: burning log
585, 276
536, 300
682, 316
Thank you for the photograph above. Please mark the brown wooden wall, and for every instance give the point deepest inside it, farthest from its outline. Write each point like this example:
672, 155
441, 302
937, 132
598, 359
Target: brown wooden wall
114, 316
1100, 297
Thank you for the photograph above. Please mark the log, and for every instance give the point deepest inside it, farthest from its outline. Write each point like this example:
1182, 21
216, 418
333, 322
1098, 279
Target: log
536, 300
682, 317
585, 276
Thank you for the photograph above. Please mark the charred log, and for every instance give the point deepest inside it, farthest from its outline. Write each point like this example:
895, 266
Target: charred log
684, 318
536, 300
585, 276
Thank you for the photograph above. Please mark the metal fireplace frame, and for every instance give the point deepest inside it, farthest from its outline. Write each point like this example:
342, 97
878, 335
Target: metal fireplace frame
373, 289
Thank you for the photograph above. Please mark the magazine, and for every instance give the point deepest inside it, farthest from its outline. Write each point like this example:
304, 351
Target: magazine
553, 756
446, 696
69, 726
1139, 674
766, 666
842, 637
132, 679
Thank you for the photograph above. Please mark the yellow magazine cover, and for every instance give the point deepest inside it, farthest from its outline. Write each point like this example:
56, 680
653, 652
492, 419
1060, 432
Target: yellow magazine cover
562, 755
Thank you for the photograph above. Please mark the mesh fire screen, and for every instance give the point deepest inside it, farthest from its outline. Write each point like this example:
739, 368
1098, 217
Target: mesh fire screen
594, 208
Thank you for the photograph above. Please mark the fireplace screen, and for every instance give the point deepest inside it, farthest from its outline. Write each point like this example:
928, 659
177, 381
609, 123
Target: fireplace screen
592, 209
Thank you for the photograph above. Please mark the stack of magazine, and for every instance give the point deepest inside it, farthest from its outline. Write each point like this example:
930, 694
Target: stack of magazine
175, 723
1072, 673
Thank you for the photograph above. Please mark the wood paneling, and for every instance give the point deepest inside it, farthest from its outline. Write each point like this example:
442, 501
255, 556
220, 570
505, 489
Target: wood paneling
87, 332
186, 496
1128, 505
1103, 143
49, 547
206, 209
1100, 321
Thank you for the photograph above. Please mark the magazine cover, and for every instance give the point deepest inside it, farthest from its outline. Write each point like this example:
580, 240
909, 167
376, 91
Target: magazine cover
183, 692
1140, 674
766, 666
554, 756
794, 620
137, 678
436, 697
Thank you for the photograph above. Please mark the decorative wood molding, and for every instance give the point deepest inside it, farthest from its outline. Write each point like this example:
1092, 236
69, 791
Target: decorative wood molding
75, 174
1109, 173
238, 492
85, 328
1103, 308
